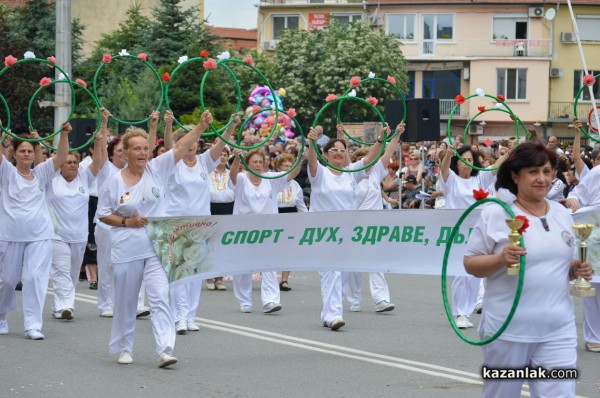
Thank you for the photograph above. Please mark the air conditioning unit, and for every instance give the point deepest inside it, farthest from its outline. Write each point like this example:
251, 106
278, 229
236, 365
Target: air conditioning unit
466, 73
375, 20
556, 72
536, 12
476, 129
568, 37
269, 45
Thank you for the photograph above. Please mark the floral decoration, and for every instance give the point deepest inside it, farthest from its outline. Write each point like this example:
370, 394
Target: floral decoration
480, 194
459, 99
123, 53
480, 92
45, 81
589, 80
372, 100
143, 56
355, 81
204, 54
481, 108
224, 55
210, 64
501, 98
525, 223
371, 75
291, 112
166, 77
330, 97
52, 60
29, 55
81, 82
9, 60
391, 79
182, 59
106, 58
249, 60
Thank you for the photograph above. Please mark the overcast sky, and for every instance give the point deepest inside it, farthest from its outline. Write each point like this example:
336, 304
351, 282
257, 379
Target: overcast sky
231, 13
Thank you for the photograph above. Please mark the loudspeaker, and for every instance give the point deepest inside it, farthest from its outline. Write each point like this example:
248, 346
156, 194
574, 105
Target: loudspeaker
83, 129
422, 119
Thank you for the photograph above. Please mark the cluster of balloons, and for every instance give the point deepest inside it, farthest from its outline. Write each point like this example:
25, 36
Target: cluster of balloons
262, 114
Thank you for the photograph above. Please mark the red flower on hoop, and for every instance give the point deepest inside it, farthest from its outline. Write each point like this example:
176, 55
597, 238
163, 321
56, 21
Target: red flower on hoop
291, 112
143, 56
330, 97
106, 58
9, 60
589, 80
204, 54
480, 194
501, 98
249, 60
355, 81
481, 108
45, 81
525, 223
459, 99
52, 60
82, 83
391, 79
210, 64
166, 77
372, 100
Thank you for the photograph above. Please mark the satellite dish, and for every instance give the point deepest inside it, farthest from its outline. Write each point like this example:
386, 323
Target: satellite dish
550, 14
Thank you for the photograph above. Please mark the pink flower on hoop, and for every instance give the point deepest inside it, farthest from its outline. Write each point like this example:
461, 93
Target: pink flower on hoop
330, 97
166, 77
481, 108
355, 81
210, 64
589, 80
459, 99
106, 58
81, 82
9, 61
291, 112
249, 60
391, 79
52, 60
45, 81
372, 100
143, 56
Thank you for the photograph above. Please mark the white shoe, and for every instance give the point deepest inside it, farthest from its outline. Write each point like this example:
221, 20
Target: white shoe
34, 334
271, 307
336, 324
246, 309
192, 326
181, 327
165, 360
355, 307
384, 306
106, 314
462, 322
57, 315
125, 358
3, 326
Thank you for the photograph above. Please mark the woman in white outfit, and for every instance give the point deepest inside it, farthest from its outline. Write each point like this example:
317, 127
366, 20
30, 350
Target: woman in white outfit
542, 332
370, 199
131, 196
255, 195
334, 190
26, 231
188, 195
68, 201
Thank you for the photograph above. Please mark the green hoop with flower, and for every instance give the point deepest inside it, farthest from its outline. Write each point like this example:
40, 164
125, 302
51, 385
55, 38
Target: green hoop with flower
588, 80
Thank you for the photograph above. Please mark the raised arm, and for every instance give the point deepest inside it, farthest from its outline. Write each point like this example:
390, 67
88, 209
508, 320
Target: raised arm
152, 131
499, 162
445, 164
219, 144
296, 170
169, 120
576, 155
235, 166
392, 146
311, 155
63, 146
188, 140
38, 154
100, 147
376, 147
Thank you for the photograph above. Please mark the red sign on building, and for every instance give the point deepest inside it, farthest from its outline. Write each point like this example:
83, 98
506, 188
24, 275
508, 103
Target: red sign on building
317, 20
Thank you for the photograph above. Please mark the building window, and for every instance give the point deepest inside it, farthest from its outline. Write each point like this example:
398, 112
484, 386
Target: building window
402, 25
283, 22
443, 84
512, 83
509, 27
438, 27
344, 19
585, 93
589, 27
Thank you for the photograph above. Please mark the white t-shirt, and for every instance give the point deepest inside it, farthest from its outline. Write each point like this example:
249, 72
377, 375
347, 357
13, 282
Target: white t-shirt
584, 172
587, 192
102, 178
556, 191
68, 203
370, 188
143, 199
292, 196
220, 191
545, 310
24, 215
252, 199
84, 164
458, 191
188, 189
331, 192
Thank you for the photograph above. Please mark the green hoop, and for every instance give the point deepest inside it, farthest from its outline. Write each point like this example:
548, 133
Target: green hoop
3, 100
577, 96
515, 303
148, 65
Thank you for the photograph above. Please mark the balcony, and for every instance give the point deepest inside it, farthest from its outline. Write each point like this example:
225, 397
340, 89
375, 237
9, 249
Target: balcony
563, 111
476, 48
446, 106
308, 2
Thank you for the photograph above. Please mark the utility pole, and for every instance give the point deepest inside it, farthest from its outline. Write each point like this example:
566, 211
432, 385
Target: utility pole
64, 52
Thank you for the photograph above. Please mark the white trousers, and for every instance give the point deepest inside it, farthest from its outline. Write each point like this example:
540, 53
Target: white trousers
377, 284
105, 273
464, 295
30, 263
591, 316
331, 294
269, 288
66, 262
127, 282
185, 299
559, 354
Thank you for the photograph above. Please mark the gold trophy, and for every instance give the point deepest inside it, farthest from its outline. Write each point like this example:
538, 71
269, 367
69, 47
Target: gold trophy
515, 225
581, 287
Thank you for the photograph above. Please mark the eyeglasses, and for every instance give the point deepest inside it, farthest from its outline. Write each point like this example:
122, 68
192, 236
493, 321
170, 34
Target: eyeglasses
337, 150
72, 162
414, 158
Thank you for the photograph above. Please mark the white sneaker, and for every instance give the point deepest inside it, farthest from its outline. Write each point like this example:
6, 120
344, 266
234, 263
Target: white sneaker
125, 358
462, 322
57, 315
192, 326
4, 326
181, 327
336, 324
384, 306
355, 307
271, 307
165, 360
246, 309
34, 334
106, 314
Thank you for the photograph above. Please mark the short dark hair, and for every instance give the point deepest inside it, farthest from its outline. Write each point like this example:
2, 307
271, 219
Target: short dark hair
332, 142
528, 154
461, 151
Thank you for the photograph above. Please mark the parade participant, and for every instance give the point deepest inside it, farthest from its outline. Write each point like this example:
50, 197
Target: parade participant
289, 200
26, 231
370, 199
68, 200
255, 195
542, 332
188, 194
390, 186
458, 181
132, 195
334, 190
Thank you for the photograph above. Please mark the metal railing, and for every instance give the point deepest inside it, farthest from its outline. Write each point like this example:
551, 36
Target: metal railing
446, 106
300, 2
477, 48
564, 110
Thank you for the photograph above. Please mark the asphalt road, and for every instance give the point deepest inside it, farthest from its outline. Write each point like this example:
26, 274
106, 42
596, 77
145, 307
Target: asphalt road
409, 352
